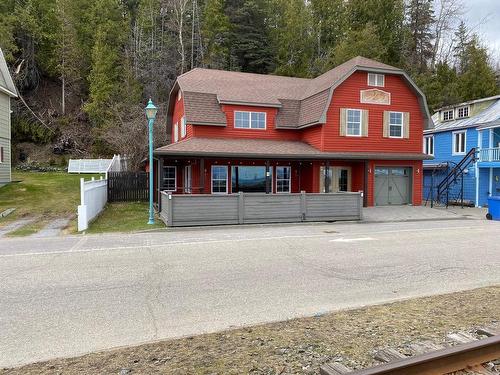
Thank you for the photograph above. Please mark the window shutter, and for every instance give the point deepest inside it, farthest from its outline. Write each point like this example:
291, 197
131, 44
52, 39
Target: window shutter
364, 123
406, 124
1, 154
386, 124
343, 122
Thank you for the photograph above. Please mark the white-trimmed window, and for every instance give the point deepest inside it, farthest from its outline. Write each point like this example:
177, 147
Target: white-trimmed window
249, 120
396, 124
353, 127
219, 179
459, 142
463, 112
375, 79
429, 144
283, 179
183, 127
448, 115
176, 132
170, 178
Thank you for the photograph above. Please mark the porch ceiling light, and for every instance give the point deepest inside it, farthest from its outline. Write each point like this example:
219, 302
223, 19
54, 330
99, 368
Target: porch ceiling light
151, 110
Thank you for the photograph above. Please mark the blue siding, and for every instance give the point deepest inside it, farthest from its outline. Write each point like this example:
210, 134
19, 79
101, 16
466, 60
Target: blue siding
443, 152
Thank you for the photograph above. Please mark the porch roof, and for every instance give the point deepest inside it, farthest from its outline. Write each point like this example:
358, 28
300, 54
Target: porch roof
260, 148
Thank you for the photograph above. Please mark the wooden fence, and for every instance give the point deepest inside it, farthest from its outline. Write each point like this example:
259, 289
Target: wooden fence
128, 186
205, 209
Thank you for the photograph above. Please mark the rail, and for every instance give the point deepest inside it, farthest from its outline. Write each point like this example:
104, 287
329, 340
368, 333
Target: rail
489, 154
443, 361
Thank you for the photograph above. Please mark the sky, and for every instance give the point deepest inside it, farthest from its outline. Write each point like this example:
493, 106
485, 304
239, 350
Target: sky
484, 17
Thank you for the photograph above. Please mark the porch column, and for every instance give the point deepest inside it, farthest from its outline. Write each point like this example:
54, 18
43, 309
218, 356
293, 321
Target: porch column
491, 181
365, 185
268, 177
159, 178
299, 175
327, 174
202, 176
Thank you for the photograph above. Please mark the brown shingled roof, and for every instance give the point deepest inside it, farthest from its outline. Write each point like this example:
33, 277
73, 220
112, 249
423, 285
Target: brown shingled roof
301, 102
260, 148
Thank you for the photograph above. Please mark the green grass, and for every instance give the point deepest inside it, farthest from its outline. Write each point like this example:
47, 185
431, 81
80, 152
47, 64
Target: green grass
124, 217
49, 194
29, 229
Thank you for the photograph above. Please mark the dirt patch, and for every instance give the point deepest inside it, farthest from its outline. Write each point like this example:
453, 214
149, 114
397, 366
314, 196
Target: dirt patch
297, 346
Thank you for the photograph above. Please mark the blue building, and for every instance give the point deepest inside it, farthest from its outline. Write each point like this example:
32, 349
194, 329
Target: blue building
465, 143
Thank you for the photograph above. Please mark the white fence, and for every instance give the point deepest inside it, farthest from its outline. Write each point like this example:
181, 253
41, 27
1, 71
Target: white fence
94, 195
117, 164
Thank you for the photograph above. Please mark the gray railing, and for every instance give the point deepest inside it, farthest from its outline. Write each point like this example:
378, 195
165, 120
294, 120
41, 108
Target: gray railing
489, 154
253, 208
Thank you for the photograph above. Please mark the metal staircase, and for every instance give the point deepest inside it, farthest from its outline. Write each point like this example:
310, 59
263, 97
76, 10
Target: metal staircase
450, 189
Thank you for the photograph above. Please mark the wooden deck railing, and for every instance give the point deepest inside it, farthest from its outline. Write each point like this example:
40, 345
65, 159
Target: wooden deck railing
247, 208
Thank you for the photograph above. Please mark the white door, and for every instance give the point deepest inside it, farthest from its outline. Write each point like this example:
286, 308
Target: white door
339, 179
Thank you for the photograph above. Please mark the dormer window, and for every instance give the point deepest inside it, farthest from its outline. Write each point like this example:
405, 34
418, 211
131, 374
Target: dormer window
448, 115
375, 79
463, 112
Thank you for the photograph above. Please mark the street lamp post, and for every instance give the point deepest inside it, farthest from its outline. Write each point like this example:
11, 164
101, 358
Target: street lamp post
150, 115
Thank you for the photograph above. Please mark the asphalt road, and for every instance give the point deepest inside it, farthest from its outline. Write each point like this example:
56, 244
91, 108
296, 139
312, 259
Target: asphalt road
71, 295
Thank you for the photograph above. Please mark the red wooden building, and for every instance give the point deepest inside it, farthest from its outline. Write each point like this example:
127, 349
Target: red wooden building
358, 127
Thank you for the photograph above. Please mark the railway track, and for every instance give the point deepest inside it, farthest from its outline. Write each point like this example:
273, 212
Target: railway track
477, 353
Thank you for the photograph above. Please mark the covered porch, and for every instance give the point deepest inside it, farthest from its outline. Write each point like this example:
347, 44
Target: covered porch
221, 167
488, 162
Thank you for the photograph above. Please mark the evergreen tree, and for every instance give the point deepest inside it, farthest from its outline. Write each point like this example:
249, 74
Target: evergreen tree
419, 47
107, 59
215, 29
7, 25
250, 42
478, 77
329, 19
388, 17
462, 41
293, 38
364, 42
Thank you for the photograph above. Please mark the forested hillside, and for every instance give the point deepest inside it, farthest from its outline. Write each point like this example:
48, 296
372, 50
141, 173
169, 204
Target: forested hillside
85, 68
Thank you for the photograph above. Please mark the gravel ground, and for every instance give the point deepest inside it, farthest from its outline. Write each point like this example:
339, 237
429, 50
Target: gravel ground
298, 346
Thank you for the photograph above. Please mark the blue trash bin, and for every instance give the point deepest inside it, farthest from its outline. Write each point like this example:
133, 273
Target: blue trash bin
493, 208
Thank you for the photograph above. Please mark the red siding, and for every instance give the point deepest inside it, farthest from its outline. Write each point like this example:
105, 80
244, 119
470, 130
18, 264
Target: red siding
347, 95
176, 117
313, 136
230, 131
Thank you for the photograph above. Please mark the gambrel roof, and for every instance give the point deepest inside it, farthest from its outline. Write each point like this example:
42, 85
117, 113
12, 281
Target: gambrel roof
6, 82
301, 102
490, 116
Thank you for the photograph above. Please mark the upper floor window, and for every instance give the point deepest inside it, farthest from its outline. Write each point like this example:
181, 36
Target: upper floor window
396, 124
375, 79
429, 145
463, 112
176, 132
354, 122
170, 178
448, 115
183, 127
249, 120
459, 142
